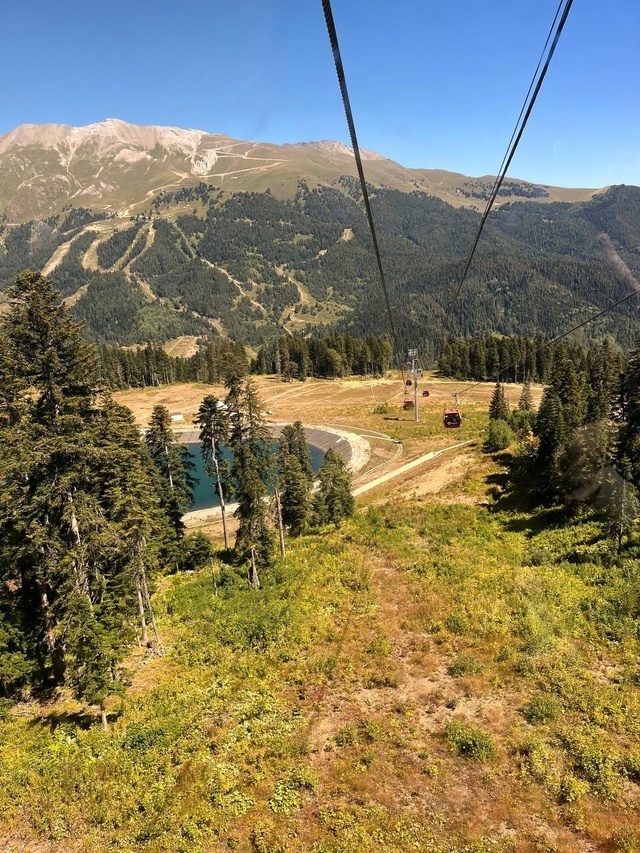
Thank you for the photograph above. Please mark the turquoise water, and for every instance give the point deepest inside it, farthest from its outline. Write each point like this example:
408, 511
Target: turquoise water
204, 495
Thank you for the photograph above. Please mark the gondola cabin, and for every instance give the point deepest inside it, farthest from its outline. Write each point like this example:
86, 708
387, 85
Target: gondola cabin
425, 393
408, 404
451, 419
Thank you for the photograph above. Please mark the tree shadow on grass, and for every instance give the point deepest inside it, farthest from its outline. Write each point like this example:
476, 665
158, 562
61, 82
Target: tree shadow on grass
521, 505
54, 719
534, 520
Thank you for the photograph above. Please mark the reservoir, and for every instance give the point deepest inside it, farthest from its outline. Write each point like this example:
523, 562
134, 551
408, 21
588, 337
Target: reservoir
204, 495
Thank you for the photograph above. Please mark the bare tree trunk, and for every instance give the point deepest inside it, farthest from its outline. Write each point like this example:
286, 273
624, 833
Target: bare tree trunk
103, 714
79, 572
254, 580
55, 648
277, 360
221, 496
147, 600
143, 622
166, 453
279, 516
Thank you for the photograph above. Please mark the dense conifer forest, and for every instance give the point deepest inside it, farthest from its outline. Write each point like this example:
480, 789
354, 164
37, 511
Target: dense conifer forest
255, 264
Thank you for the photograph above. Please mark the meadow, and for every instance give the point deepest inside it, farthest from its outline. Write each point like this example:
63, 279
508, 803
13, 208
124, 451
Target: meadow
454, 672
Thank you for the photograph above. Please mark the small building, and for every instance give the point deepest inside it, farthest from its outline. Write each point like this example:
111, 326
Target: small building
176, 417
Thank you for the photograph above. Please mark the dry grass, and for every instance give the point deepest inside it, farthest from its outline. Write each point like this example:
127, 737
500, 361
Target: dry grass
344, 401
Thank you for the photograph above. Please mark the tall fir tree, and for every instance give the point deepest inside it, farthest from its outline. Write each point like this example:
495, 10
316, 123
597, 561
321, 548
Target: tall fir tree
293, 442
333, 501
65, 464
213, 421
295, 496
174, 463
498, 407
253, 472
525, 403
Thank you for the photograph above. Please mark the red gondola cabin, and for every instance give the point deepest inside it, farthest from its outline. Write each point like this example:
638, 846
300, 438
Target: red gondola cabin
451, 419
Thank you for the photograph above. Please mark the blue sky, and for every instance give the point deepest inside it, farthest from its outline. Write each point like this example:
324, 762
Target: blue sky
433, 84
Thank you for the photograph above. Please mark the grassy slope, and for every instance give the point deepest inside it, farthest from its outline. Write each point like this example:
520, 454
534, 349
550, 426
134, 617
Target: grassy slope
316, 714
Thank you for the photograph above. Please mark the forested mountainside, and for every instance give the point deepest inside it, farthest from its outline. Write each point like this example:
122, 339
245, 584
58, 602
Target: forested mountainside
249, 265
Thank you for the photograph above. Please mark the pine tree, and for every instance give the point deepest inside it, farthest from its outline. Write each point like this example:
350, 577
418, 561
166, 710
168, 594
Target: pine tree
525, 403
333, 501
570, 387
253, 473
498, 408
214, 431
629, 443
293, 442
174, 463
66, 467
295, 496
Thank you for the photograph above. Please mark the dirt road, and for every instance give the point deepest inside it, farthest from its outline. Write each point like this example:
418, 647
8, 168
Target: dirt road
408, 466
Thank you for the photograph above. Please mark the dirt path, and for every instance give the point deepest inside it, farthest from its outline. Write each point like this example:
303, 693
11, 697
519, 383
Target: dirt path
403, 469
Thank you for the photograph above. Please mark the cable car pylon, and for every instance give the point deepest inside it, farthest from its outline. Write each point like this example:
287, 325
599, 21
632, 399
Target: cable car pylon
412, 371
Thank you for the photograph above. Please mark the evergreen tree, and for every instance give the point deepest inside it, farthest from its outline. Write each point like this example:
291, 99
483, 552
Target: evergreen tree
629, 445
525, 403
550, 430
333, 501
252, 472
174, 463
214, 431
293, 442
569, 383
66, 465
295, 496
498, 408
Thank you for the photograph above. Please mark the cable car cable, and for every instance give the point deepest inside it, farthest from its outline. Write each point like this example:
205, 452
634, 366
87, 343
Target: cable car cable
555, 340
524, 103
510, 153
337, 58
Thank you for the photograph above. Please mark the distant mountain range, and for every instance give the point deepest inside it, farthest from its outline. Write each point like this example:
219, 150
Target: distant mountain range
152, 233
118, 167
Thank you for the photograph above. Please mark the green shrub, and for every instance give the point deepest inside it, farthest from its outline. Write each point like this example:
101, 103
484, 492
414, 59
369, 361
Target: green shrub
572, 789
465, 664
469, 741
632, 765
457, 623
626, 841
594, 759
286, 797
499, 436
347, 736
541, 709
541, 762
196, 551
379, 647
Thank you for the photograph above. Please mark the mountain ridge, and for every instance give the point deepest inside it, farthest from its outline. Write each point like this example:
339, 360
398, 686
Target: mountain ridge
147, 249
118, 167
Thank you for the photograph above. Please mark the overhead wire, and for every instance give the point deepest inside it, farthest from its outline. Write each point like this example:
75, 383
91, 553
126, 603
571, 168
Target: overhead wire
337, 58
527, 108
546, 344
526, 99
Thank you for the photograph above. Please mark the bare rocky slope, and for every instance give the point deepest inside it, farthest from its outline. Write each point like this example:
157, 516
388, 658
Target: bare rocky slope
158, 233
114, 166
